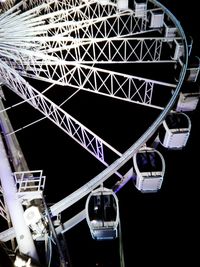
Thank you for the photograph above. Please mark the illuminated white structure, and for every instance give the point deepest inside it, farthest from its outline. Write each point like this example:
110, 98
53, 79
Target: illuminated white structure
122, 4
175, 131
78, 44
148, 169
22, 232
102, 214
188, 98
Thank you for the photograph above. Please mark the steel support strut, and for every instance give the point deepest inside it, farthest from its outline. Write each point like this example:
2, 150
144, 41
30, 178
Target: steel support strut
23, 235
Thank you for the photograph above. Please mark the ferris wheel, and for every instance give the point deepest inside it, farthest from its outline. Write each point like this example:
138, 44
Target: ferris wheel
134, 52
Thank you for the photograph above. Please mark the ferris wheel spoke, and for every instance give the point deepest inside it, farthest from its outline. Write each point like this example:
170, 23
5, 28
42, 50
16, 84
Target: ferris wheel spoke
7, 6
58, 71
77, 9
101, 27
96, 21
108, 50
109, 83
100, 50
57, 11
89, 45
3, 212
55, 5
77, 131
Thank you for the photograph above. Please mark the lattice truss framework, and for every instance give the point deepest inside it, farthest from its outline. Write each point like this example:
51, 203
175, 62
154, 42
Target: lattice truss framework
60, 42
3, 211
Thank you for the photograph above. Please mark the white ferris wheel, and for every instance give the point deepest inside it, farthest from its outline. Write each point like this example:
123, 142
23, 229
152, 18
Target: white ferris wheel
131, 52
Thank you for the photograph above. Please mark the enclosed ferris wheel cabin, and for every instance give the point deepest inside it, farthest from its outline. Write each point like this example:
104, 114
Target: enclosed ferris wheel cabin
148, 170
190, 92
175, 130
102, 214
188, 98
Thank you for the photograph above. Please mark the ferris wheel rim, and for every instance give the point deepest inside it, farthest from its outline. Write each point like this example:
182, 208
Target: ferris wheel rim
104, 175
112, 168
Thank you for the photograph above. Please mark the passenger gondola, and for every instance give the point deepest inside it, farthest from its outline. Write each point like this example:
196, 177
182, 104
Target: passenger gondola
122, 4
188, 98
148, 170
193, 69
102, 214
140, 8
175, 130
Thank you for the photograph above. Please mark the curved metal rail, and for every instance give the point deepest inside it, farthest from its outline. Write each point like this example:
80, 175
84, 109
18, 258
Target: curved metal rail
104, 175
115, 166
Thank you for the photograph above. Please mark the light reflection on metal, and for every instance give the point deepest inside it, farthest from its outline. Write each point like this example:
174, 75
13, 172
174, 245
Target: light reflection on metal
45, 44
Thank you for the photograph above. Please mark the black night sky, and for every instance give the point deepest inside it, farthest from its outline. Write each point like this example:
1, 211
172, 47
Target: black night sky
156, 229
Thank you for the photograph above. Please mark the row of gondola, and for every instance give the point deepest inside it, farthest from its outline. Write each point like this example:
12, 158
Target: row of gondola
148, 164
102, 210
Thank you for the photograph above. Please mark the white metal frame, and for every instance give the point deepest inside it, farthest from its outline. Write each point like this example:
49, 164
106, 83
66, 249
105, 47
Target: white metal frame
30, 59
154, 179
99, 225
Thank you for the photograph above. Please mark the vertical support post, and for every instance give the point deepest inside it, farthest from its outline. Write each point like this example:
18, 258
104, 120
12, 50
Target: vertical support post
18, 160
23, 235
63, 263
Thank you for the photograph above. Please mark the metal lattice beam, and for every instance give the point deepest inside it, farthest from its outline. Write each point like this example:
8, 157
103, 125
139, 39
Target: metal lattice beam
81, 134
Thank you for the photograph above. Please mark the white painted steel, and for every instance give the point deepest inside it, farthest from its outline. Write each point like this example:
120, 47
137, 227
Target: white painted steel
22, 232
49, 29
